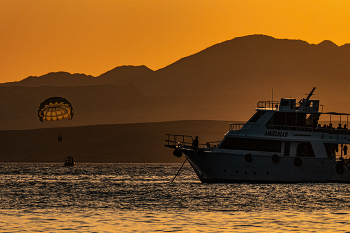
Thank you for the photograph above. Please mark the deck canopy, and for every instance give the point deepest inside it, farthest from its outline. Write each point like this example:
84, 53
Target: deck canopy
338, 118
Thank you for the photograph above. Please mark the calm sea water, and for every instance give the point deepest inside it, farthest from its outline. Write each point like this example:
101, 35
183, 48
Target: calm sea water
43, 197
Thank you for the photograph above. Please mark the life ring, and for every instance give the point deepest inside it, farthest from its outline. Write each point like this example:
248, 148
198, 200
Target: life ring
339, 168
177, 152
275, 158
297, 161
248, 158
200, 152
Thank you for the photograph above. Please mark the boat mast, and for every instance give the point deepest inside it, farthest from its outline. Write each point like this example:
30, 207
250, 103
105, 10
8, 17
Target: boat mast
311, 93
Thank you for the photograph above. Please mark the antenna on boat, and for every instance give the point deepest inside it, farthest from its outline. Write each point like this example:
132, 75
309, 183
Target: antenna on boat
303, 101
272, 94
310, 94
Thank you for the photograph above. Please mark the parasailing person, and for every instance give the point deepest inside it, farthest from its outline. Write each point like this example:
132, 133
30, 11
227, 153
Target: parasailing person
55, 109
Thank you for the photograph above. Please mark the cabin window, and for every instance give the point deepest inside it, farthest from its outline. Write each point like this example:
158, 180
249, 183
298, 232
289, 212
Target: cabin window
260, 145
227, 144
288, 103
288, 118
236, 143
304, 149
251, 144
273, 146
285, 103
256, 116
245, 144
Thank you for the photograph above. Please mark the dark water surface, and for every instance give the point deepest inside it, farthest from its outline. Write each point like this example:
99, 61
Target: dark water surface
46, 197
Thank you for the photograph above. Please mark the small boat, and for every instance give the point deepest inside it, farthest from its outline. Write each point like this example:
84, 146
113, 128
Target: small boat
283, 141
69, 161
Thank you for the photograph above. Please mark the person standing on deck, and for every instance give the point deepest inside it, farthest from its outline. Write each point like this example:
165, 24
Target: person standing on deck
195, 143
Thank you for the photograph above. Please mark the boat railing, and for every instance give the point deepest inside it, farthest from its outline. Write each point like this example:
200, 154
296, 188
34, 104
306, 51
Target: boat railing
344, 131
239, 126
287, 127
272, 105
179, 140
211, 145
235, 127
185, 141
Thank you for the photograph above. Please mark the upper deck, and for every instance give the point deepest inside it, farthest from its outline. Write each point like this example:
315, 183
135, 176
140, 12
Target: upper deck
326, 128
290, 105
290, 115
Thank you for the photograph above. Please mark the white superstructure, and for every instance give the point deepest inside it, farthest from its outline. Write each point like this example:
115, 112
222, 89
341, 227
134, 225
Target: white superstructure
282, 142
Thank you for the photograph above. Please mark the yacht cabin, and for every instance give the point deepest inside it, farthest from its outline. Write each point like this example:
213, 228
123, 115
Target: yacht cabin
290, 128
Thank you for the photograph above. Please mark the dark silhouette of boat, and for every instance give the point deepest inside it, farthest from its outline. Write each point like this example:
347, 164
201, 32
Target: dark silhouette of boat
282, 142
69, 161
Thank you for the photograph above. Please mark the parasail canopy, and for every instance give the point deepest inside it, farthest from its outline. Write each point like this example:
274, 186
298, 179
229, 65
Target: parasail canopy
55, 109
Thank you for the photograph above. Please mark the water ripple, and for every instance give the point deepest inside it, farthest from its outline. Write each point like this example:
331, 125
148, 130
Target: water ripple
126, 195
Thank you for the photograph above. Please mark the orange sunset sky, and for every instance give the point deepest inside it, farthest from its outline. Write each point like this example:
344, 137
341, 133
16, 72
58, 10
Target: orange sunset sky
94, 36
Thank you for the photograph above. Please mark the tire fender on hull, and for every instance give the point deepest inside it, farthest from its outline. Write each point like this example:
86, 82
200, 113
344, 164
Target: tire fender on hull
248, 158
177, 152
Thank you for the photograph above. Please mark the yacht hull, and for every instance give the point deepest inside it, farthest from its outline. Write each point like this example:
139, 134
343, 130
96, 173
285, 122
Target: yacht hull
216, 167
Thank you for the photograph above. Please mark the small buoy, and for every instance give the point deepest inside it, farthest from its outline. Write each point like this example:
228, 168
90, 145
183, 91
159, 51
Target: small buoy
339, 167
177, 152
69, 161
297, 161
248, 158
275, 158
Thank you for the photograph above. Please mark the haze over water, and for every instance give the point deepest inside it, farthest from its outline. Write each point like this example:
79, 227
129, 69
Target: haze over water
48, 197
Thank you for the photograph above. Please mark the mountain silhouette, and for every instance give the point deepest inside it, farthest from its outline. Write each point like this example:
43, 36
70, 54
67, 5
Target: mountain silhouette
222, 82
254, 64
118, 76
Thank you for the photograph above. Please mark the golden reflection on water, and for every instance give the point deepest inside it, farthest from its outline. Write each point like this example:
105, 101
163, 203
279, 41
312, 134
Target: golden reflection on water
132, 221
105, 198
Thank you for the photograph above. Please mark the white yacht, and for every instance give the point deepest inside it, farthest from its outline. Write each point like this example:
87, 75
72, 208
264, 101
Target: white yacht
282, 142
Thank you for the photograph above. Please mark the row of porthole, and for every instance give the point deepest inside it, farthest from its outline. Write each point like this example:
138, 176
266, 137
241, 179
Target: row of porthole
275, 159
339, 167
245, 172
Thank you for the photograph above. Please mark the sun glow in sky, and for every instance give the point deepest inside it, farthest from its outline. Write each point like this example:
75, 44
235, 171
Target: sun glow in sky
92, 37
